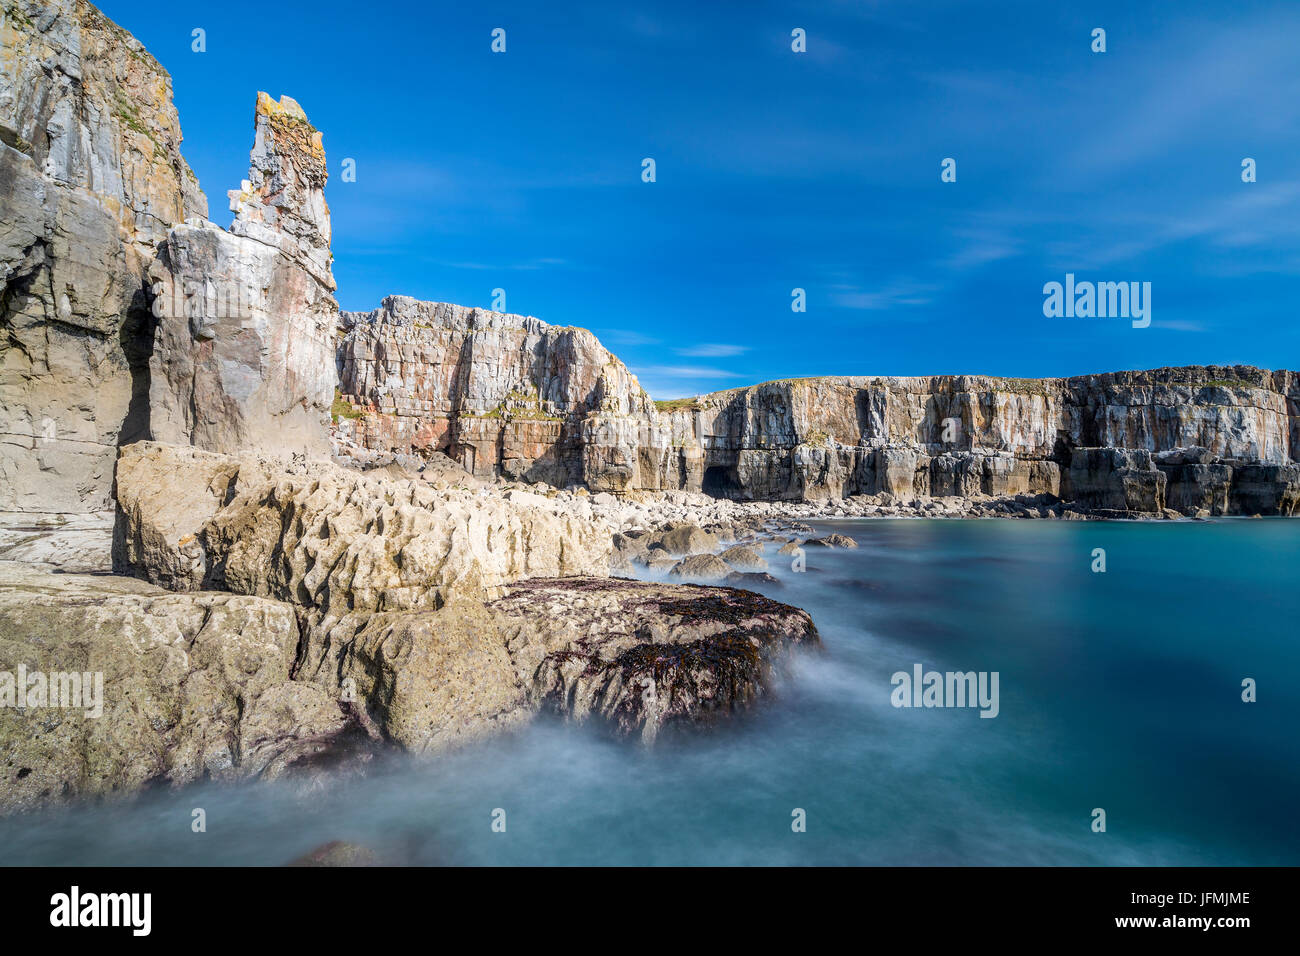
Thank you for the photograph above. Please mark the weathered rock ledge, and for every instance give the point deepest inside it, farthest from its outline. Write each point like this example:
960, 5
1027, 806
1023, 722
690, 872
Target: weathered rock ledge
194, 687
215, 686
368, 606
331, 539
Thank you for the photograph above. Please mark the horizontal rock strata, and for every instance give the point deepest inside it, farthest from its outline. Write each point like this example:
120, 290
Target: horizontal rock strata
501, 394
1100, 439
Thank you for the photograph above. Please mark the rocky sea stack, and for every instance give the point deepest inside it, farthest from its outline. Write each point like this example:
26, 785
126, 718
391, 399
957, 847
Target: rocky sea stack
414, 527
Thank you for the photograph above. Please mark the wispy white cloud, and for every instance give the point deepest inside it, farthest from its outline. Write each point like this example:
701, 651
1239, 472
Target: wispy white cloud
894, 295
684, 371
979, 247
679, 381
1177, 325
1257, 215
1202, 74
529, 266
712, 350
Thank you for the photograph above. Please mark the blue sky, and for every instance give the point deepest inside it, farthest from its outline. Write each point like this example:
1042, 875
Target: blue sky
778, 170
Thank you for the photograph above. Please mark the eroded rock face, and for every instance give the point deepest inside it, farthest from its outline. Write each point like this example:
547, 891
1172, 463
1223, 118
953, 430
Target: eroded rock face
412, 602
243, 357
1116, 480
282, 203
337, 541
165, 495
1265, 489
362, 599
91, 179
978, 435
640, 656
427, 681
194, 686
512, 396
502, 394
124, 313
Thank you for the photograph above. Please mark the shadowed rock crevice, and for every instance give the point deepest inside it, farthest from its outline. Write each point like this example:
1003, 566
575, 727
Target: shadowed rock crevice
137, 339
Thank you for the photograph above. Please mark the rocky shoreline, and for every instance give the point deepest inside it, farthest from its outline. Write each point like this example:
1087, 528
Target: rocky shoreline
244, 535
266, 617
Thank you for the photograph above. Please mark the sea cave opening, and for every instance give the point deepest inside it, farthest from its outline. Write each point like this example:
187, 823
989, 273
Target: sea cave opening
720, 482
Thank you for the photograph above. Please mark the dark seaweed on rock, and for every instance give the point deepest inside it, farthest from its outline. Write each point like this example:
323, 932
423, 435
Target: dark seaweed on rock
641, 655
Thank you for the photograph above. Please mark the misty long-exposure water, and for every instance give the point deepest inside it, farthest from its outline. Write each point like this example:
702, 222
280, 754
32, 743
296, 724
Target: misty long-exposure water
1118, 690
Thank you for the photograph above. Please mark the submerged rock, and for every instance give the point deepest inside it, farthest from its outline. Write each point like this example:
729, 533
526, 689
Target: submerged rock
656, 559
701, 567
744, 557
738, 579
338, 853
833, 541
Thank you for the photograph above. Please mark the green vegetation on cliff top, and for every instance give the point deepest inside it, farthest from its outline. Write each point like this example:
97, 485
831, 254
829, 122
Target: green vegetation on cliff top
673, 404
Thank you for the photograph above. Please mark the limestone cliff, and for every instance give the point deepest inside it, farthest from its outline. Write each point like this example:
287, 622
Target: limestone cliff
502, 394
967, 435
243, 356
124, 313
91, 179
513, 396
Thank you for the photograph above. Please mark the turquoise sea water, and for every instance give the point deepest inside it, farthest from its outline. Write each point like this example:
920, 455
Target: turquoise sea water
1119, 691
